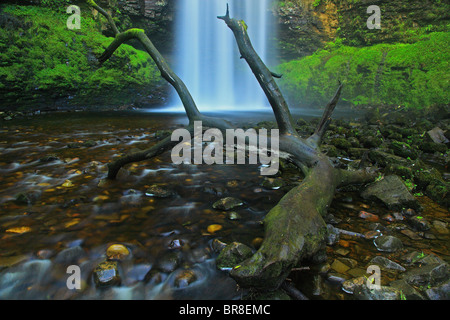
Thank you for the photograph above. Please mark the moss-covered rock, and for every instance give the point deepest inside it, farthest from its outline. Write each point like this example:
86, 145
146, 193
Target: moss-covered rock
232, 255
396, 74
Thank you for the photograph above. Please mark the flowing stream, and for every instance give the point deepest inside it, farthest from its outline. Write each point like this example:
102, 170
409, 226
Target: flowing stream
207, 57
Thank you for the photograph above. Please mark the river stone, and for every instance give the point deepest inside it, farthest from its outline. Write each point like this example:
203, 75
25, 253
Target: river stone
184, 278
106, 274
272, 183
386, 263
227, 203
419, 223
117, 252
158, 191
428, 275
232, 255
408, 291
349, 285
388, 244
383, 293
392, 192
70, 256
441, 292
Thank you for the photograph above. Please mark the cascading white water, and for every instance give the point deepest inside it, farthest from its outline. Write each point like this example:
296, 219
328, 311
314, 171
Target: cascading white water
207, 58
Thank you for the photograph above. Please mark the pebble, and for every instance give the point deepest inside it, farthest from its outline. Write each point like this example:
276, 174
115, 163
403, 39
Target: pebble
419, 223
106, 274
227, 203
386, 263
368, 216
185, 278
388, 244
117, 252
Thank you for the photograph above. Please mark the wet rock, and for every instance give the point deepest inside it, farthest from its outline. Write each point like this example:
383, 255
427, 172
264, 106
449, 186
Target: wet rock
154, 276
233, 215
106, 274
335, 277
411, 234
371, 141
169, 262
333, 235
117, 252
272, 183
423, 178
384, 159
441, 292
232, 255
368, 216
158, 191
89, 144
70, 256
341, 143
403, 150
427, 275
349, 285
218, 245
184, 278
28, 197
388, 244
339, 266
216, 190
392, 192
440, 227
408, 292
386, 264
437, 135
227, 203
432, 147
439, 192
419, 223
383, 293
49, 158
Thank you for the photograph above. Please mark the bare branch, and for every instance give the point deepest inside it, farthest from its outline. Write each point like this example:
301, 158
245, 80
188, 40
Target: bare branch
262, 74
105, 14
322, 126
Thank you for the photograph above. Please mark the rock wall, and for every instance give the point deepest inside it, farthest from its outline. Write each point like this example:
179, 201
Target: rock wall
306, 25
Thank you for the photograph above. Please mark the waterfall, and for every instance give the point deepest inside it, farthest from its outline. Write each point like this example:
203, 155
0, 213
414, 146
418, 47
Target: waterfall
207, 58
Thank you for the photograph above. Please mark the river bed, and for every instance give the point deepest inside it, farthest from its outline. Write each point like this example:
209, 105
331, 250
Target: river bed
70, 216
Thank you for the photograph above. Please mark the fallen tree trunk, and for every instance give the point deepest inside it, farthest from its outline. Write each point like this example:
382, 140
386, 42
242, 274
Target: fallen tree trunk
294, 228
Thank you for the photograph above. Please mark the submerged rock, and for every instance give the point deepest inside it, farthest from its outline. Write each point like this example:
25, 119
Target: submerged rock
385, 263
184, 278
227, 203
384, 293
232, 255
106, 274
158, 191
117, 252
392, 192
388, 244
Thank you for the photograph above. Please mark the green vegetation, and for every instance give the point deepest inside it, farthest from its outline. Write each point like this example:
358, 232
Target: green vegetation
402, 74
40, 56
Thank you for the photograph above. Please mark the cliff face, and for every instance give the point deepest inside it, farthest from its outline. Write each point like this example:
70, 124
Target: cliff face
154, 16
306, 25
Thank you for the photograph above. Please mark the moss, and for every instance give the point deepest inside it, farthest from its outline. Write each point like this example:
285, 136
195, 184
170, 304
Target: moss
412, 75
47, 59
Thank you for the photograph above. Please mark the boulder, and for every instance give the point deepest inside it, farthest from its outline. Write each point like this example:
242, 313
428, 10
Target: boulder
388, 244
392, 192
